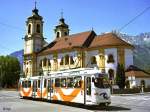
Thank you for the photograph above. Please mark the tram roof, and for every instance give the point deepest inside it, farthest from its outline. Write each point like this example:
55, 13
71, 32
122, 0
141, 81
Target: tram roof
74, 72
64, 73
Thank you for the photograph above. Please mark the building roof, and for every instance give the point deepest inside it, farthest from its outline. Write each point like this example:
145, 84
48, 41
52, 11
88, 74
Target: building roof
78, 40
87, 39
133, 68
137, 72
109, 39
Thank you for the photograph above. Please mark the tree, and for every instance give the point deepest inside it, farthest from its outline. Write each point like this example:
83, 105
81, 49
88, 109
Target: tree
120, 76
9, 71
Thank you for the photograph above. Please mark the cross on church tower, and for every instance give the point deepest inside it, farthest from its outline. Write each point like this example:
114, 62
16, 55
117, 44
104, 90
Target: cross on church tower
61, 13
35, 3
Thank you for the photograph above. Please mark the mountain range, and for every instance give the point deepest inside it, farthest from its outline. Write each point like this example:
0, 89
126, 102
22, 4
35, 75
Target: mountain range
141, 53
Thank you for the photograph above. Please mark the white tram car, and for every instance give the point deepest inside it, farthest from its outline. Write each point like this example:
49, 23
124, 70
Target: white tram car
85, 85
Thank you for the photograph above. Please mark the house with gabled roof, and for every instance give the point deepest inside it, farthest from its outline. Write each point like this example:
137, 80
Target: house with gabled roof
136, 77
69, 51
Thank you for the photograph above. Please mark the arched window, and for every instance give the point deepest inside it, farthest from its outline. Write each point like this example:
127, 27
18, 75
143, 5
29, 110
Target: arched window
66, 59
40, 63
38, 28
49, 63
110, 59
143, 83
71, 60
58, 35
127, 83
93, 60
65, 33
44, 62
62, 61
29, 28
111, 74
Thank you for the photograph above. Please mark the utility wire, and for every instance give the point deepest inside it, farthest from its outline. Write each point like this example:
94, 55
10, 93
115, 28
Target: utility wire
140, 14
10, 26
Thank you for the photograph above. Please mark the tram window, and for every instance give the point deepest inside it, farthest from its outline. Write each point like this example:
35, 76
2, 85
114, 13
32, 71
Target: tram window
23, 84
38, 83
45, 83
34, 85
88, 82
63, 82
70, 82
57, 82
77, 81
51, 85
48, 88
26, 84
101, 83
29, 84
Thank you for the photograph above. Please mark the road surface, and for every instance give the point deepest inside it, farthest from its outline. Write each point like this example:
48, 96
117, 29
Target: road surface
10, 102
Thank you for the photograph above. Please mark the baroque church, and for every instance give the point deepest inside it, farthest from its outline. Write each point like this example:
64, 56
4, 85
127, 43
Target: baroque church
69, 51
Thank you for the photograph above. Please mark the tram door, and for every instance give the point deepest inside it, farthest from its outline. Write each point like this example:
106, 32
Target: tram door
34, 88
50, 88
88, 90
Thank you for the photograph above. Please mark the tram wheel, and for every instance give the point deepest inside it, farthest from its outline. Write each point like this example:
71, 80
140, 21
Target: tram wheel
104, 104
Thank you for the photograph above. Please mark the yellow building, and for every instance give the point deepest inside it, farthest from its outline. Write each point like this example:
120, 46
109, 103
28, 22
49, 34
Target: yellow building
67, 51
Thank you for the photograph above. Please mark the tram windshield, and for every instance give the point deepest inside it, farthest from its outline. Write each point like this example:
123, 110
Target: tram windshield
101, 82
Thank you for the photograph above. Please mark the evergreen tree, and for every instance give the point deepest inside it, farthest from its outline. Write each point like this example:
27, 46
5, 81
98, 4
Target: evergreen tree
120, 76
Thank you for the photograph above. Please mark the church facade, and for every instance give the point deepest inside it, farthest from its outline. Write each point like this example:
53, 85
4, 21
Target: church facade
81, 50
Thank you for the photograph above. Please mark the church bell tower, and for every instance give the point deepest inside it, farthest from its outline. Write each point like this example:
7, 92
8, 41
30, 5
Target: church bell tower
62, 29
33, 42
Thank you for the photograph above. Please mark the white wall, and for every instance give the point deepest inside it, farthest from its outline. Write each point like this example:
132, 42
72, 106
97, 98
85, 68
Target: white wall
147, 81
136, 82
132, 81
28, 48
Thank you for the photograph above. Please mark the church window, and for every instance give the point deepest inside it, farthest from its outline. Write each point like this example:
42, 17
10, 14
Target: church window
44, 62
66, 59
38, 28
65, 33
110, 59
40, 63
49, 63
111, 74
62, 61
143, 83
58, 34
93, 60
71, 60
29, 28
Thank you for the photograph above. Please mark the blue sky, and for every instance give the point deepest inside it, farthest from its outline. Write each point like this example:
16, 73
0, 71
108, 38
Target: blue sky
80, 15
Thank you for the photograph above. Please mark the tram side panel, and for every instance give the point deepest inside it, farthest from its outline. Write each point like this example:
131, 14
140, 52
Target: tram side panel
67, 92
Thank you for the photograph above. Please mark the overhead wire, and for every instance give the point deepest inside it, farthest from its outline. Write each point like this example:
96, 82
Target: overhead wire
8, 26
132, 20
